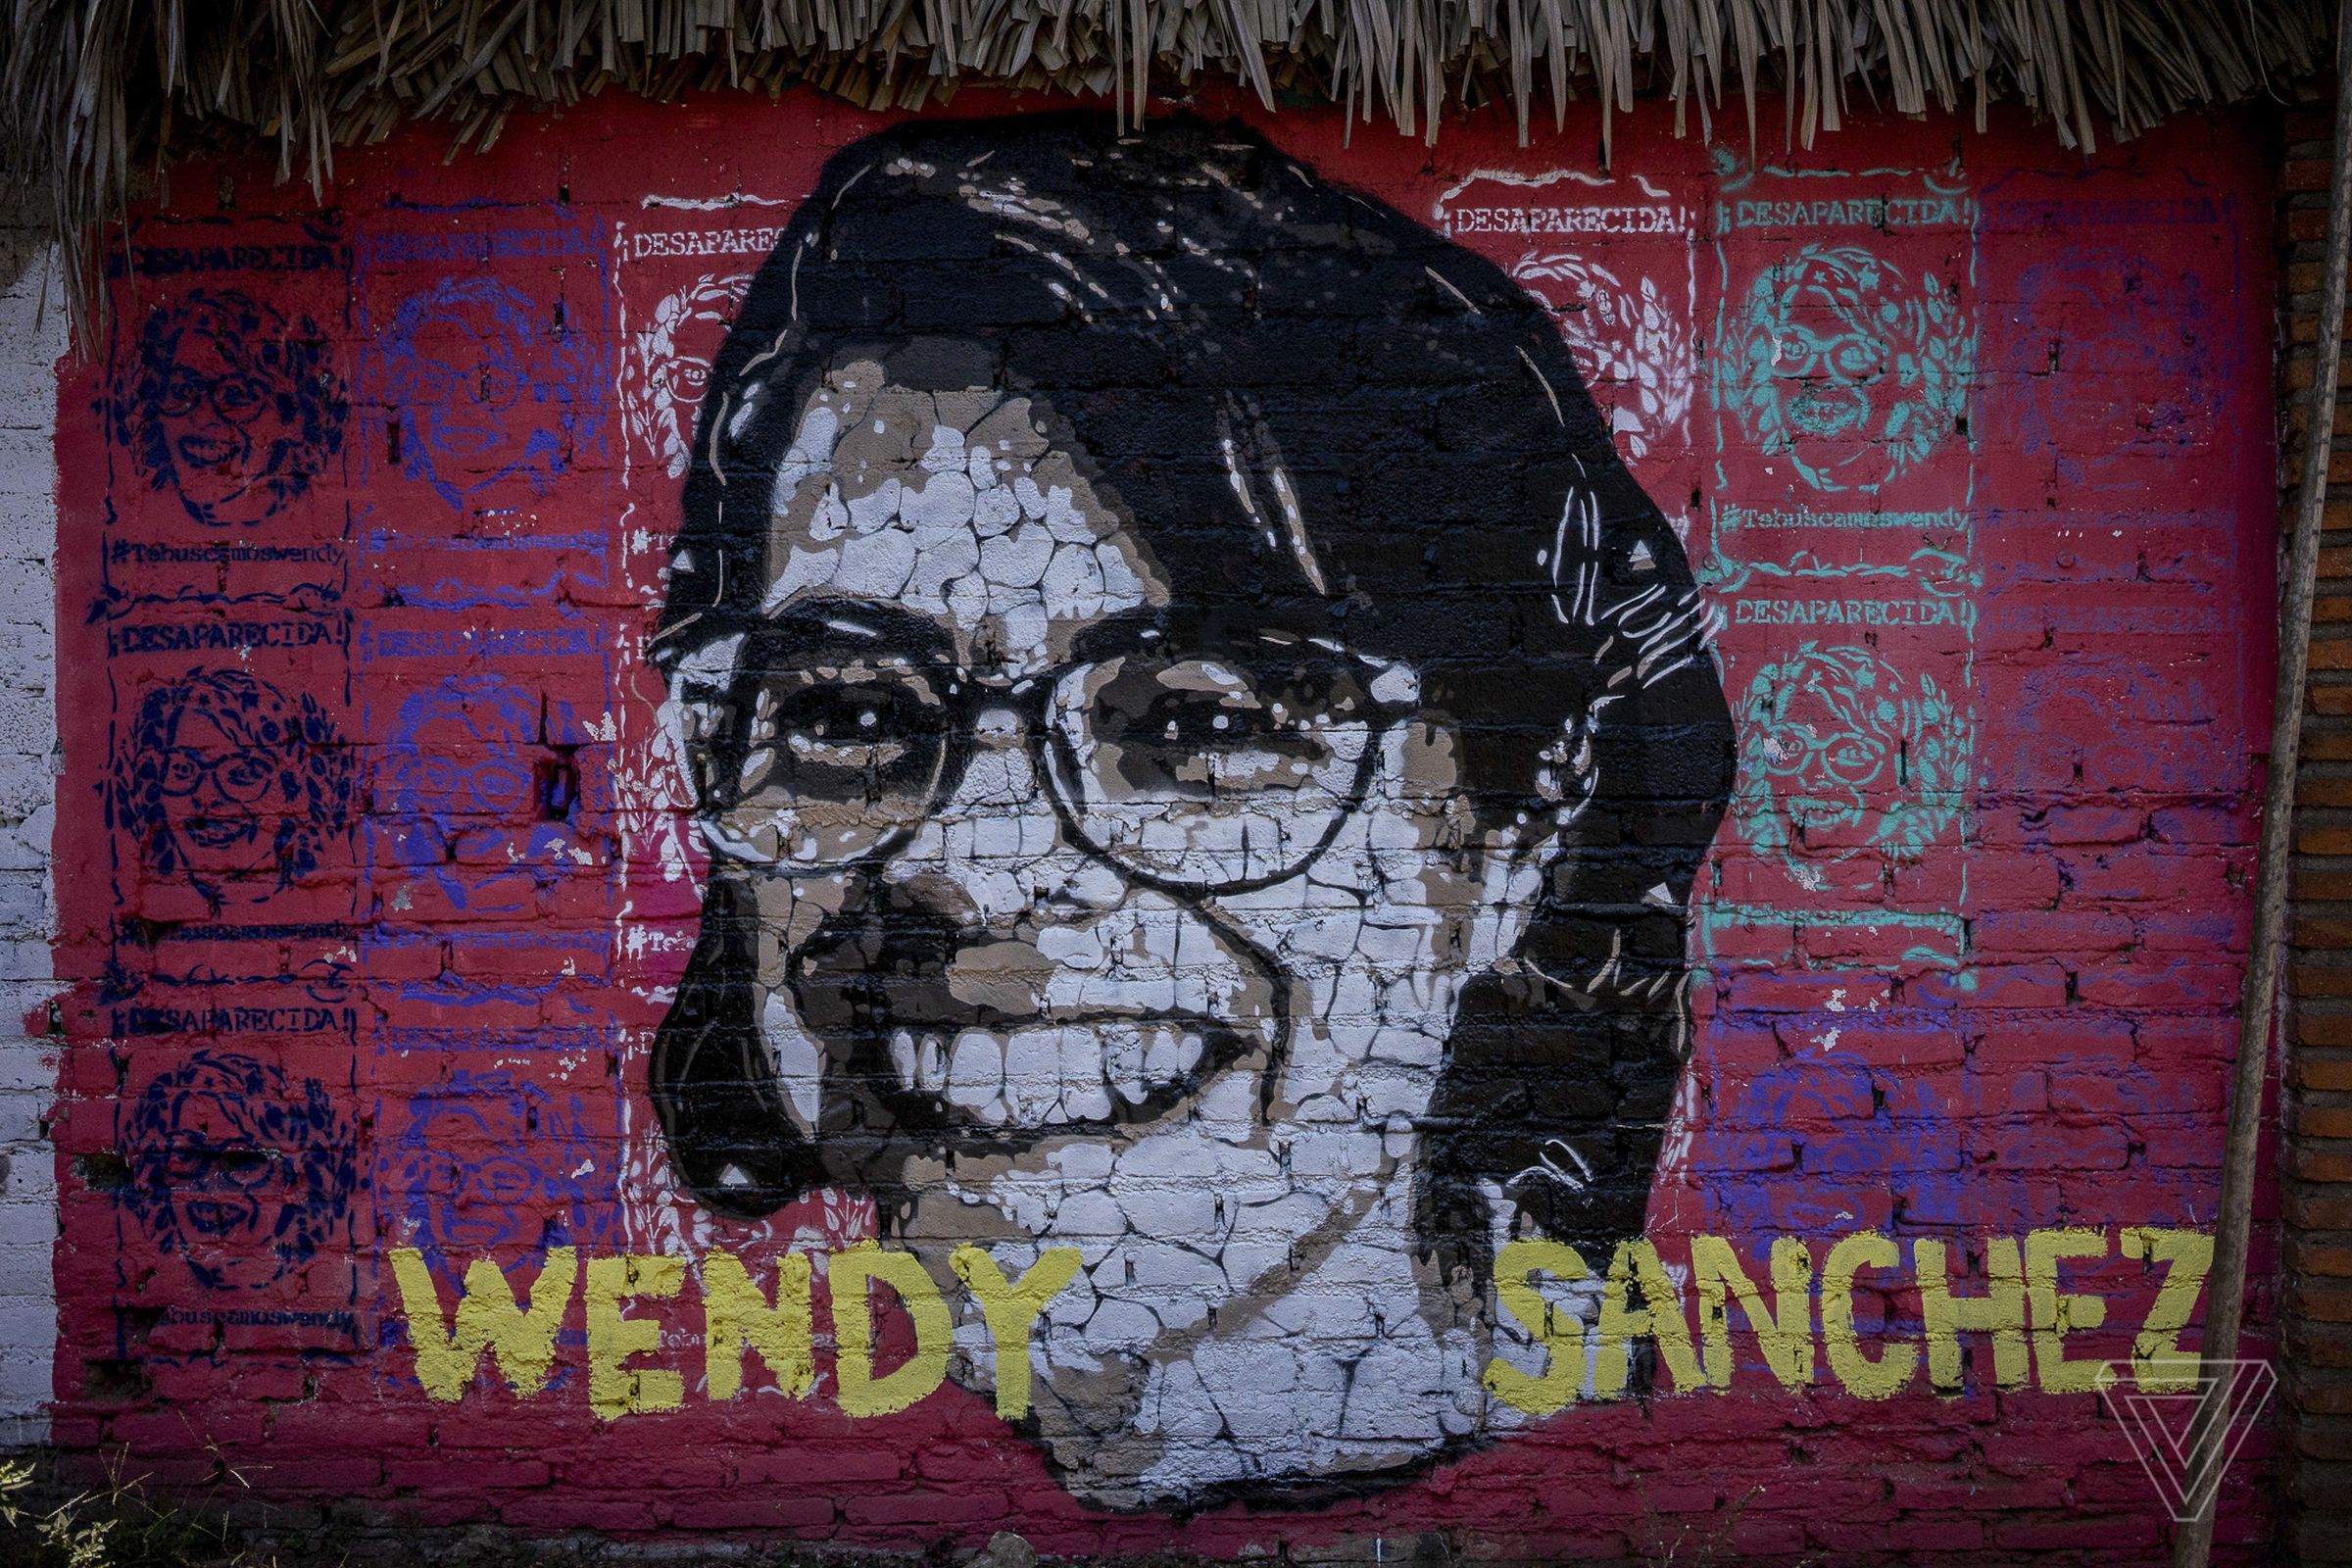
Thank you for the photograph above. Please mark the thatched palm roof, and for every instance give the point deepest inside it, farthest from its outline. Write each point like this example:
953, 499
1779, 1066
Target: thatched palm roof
98, 88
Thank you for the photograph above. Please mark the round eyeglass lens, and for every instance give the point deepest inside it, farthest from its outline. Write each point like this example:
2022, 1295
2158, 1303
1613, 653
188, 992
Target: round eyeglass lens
820, 761
1207, 772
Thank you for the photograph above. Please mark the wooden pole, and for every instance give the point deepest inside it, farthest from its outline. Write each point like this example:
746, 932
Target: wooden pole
2225, 1297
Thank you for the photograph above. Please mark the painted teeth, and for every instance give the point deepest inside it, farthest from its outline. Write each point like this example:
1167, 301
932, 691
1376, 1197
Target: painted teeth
1050, 1074
921, 1061
1085, 1096
1170, 1055
1033, 1074
1123, 1061
976, 1075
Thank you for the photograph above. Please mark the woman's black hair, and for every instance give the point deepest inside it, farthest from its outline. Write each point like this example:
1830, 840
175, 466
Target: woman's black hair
1167, 294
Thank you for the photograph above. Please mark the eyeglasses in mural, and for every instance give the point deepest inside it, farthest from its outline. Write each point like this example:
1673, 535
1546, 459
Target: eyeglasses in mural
231, 787
492, 397
239, 1173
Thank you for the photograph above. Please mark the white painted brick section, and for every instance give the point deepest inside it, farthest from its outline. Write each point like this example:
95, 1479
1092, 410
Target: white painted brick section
32, 338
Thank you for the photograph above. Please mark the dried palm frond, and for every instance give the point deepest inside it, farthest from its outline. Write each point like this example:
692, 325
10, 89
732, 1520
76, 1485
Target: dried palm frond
95, 88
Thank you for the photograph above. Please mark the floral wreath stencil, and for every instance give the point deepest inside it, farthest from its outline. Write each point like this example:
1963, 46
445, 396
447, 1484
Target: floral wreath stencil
1624, 336
1840, 363
1236, 845
669, 364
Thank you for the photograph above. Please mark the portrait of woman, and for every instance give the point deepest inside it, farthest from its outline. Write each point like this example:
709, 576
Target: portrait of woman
229, 406
1203, 750
231, 788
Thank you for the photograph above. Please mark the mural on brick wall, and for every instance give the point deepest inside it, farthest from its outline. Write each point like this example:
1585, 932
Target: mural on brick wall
1091, 794
1198, 832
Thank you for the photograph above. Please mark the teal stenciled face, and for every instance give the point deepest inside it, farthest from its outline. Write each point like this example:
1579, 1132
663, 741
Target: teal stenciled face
1843, 365
1847, 763
1826, 758
1829, 371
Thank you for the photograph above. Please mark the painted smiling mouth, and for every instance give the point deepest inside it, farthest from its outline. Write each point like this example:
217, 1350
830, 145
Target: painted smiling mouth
218, 832
462, 1235
903, 1056
207, 452
1057, 1076
892, 1058
1828, 412
467, 440
217, 1219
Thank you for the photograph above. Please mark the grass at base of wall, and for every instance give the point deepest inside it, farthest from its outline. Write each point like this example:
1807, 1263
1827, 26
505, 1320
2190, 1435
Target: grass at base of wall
46, 1522
79, 1511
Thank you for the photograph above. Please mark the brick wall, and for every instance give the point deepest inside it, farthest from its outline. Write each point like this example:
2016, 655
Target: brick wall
2316, 1101
32, 332
1495, 856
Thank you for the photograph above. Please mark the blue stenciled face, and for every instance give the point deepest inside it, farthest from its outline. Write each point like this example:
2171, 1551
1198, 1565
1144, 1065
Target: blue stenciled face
482, 802
2114, 356
217, 799
230, 405
232, 788
217, 418
488, 392
236, 1172
491, 1196
487, 1164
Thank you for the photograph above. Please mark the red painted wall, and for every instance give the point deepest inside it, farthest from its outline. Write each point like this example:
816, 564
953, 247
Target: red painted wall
1994, 638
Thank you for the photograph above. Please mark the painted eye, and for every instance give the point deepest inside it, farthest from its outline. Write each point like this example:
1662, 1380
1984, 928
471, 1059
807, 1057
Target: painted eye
1209, 726
238, 400
1854, 758
181, 395
437, 777
498, 387
246, 1170
244, 776
1204, 720
506, 1181
184, 771
847, 735
500, 787
1857, 358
